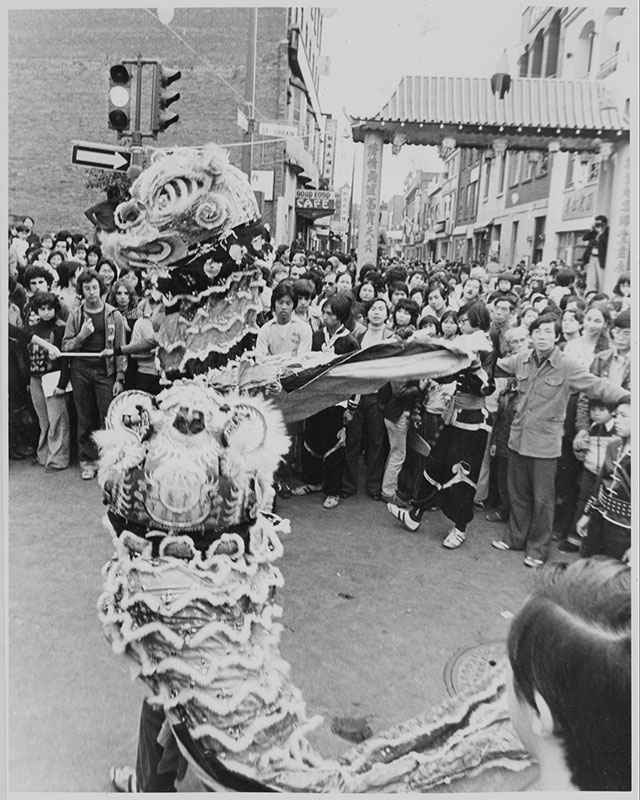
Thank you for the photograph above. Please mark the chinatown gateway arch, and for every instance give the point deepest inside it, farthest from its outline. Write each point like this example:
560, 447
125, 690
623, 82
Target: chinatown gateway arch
496, 115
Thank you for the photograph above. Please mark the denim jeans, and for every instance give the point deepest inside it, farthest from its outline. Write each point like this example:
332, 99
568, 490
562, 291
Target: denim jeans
92, 393
397, 432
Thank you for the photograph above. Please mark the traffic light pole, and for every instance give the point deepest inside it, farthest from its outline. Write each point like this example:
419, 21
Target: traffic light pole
250, 91
136, 134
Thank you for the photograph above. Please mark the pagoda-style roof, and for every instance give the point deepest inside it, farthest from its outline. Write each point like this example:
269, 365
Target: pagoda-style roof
535, 111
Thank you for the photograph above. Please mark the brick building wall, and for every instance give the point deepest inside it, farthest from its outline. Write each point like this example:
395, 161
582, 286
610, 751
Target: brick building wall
58, 82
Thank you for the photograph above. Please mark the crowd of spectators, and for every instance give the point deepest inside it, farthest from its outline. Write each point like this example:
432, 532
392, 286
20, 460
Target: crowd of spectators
535, 434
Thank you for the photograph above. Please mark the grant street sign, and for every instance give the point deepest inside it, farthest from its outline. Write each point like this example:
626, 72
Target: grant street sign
278, 129
100, 156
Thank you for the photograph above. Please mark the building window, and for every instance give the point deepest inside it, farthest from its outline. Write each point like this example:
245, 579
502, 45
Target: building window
471, 200
514, 168
487, 178
514, 242
461, 206
503, 170
570, 165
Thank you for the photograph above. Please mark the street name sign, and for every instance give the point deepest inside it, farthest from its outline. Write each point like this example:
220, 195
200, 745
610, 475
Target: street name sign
100, 156
278, 129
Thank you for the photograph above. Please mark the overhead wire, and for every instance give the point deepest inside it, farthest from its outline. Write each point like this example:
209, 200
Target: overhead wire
204, 58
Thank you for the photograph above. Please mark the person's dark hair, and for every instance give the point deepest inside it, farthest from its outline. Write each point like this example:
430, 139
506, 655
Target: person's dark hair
506, 298
55, 252
119, 284
285, 288
397, 286
565, 277
577, 313
94, 248
63, 236
86, 276
597, 298
601, 218
66, 271
304, 288
341, 305
20, 228
315, 276
393, 275
369, 303
622, 319
28, 216
410, 306
48, 299
374, 277
111, 264
114, 194
36, 271
33, 254
596, 402
477, 314
436, 286
365, 269
551, 308
449, 314
545, 319
136, 273
571, 298
625, 277
364, 283
430, 319
571, 643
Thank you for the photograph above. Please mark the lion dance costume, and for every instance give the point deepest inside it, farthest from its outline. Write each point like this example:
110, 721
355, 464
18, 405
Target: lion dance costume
189, 594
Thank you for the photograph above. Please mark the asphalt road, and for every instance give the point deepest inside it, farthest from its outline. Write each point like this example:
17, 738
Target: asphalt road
372, 616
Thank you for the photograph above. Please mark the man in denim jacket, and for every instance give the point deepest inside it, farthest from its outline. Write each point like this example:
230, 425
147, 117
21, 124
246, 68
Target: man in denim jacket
91, 328
546, 377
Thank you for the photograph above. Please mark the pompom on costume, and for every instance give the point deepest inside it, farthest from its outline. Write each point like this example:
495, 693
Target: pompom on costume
190, 592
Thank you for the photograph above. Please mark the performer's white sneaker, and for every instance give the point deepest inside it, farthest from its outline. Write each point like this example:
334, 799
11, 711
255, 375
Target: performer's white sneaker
454, 539
403, 515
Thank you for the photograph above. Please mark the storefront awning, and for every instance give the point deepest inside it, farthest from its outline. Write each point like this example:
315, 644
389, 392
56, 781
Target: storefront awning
460, 230
425, 110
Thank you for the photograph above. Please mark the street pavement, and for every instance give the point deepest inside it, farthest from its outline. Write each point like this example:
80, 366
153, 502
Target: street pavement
372, 616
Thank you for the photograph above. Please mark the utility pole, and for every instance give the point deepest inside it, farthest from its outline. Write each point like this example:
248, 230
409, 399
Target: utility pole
136, 134
250, 92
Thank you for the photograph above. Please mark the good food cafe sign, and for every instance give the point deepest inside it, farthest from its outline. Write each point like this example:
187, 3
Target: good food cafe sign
314, 203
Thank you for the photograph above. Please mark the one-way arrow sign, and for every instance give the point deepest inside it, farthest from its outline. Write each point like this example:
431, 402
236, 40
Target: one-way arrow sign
100, 156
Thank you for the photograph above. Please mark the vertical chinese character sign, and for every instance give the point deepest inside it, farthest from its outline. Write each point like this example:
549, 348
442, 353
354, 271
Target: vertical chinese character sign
370, 205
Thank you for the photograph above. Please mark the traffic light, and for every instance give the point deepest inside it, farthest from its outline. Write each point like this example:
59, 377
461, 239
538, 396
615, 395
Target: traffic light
163, 97
119, 98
